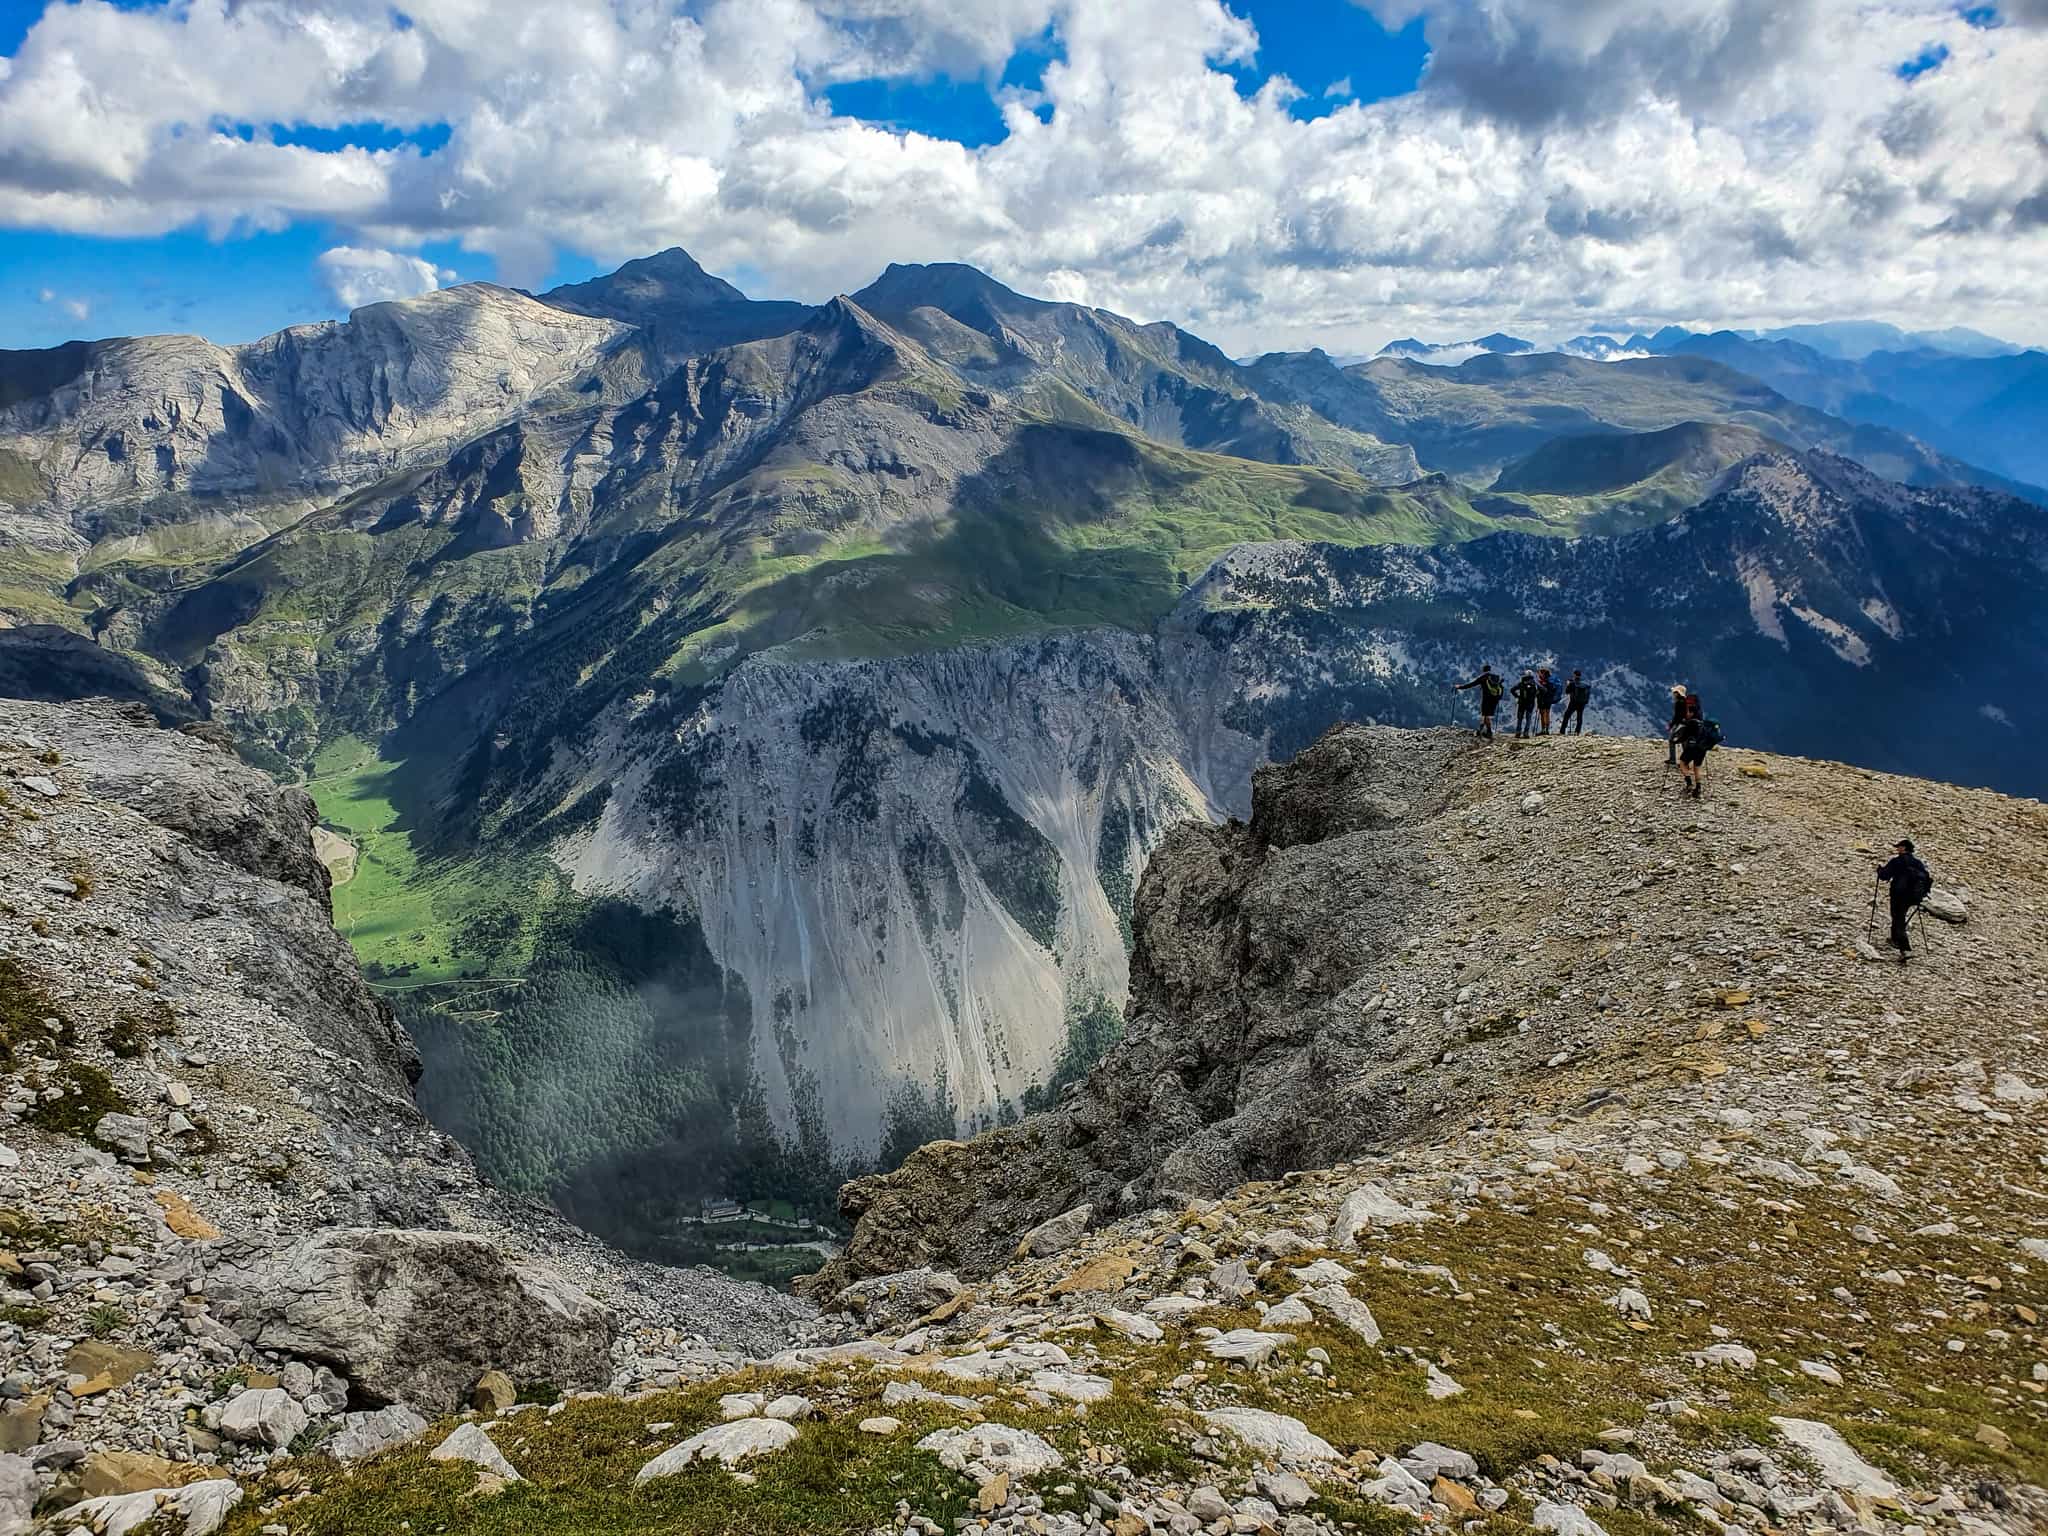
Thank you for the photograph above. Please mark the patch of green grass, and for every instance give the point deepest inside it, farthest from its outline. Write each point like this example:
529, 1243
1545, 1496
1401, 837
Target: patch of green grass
104, 1320
405, 915
87, 1094
1547, 1364
133, 1028
29, 1317
579, 1466
23, 1007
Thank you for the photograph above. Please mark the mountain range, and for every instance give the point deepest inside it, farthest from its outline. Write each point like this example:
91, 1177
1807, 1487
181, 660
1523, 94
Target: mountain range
759, 714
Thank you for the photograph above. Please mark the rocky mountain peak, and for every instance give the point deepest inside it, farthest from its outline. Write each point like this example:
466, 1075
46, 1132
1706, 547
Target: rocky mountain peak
665, 282
966, 293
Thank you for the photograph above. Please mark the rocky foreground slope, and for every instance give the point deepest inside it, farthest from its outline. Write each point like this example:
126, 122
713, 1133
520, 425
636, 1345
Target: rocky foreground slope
224, 1226
1500, 1143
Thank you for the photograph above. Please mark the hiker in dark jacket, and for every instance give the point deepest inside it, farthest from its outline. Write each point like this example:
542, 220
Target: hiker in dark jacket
1490, 689
1576, 693
1525, 703
1695, 736
1546, 696
1677, 719
1910, 883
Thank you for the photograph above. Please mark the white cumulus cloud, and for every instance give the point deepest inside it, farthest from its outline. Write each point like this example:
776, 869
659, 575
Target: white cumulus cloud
357, 276
1566, 165
77, 308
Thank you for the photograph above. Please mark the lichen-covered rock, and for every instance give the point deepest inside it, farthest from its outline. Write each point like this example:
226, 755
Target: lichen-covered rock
1271, 1434
416, 1317
729, 1444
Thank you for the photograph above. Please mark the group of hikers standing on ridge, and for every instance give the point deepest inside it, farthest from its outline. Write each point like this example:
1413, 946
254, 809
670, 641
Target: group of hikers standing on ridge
1535, 696
1691, 735
1689, 738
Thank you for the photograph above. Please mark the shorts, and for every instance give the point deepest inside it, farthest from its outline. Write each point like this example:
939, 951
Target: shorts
1692, 757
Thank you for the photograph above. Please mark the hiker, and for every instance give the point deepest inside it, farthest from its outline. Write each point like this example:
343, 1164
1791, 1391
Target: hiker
1677, 719
1490, 689
1576, 693
1546, 697
1525, 703
1910, 883
1694, 736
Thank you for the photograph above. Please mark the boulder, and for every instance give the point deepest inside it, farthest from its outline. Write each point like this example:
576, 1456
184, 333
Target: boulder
1246, 1346
125, 1134
19, 1490
1565, 1520
198, 1509
1429, 1461
265, 1416
1273, 1434
365, 1434
493, 1393
729, 1444
1739, 1357
1371, 1206
1286, 1489
1340, 1306
890, 1303
1949, 906
468, 1442
417, 1317
988, 1451
1055, 1236
1837, 1462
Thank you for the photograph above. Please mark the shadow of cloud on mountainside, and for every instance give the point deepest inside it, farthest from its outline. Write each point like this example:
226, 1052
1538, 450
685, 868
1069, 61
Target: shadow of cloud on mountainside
53, 665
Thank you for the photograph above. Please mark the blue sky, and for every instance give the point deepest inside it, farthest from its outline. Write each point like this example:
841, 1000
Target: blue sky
235, 284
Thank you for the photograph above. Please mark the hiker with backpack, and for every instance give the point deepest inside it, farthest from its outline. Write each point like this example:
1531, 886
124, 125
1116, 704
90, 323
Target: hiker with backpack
1525, 703
1546, 696
1678, 697
1910, 881
1694, 736
1490, 689
1576, 693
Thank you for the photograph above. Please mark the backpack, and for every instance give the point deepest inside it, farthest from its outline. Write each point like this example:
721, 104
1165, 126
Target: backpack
1491, 688
1914, 882
1710, 734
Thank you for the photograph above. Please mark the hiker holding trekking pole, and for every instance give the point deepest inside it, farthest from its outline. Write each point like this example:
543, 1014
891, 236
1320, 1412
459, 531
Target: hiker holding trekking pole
1490, 689
1910, 882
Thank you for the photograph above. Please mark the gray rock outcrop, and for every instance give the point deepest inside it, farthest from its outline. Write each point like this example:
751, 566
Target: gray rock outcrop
415, 1317
1252, 1039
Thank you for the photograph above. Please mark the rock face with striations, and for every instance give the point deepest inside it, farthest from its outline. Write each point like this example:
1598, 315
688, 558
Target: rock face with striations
1253, 1044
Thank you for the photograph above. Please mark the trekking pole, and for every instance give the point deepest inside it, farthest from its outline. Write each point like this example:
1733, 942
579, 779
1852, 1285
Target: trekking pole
1871, 921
